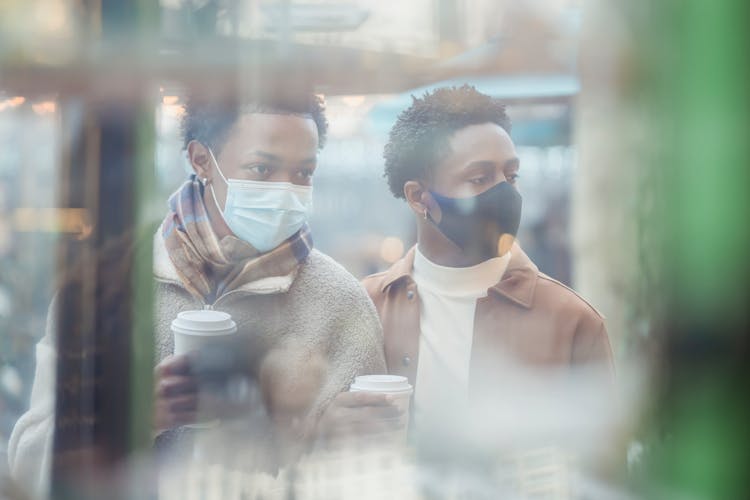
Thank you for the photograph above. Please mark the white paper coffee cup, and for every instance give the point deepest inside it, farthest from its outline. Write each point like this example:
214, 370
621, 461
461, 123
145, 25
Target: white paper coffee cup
397, 387
194, 329
387, 384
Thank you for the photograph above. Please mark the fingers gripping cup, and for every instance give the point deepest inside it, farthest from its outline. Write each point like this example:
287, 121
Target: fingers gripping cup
398, 388
201, 330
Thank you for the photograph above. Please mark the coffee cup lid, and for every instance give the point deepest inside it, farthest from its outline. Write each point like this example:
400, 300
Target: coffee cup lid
381, 383
205, 322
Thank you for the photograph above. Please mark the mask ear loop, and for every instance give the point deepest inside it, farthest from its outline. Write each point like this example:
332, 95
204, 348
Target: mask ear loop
428, 216
217, 166
211, 185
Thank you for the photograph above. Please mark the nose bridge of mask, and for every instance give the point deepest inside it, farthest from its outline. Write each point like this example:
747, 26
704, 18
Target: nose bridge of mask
499, 197
262, 195
473, 205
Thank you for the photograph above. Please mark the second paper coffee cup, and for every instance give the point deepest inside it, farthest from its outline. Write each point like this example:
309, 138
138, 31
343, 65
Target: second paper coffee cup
396, 386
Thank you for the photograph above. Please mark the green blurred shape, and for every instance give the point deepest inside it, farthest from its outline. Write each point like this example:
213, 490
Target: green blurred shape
701, 456
140, 20
142, 339
706, 73
695, 61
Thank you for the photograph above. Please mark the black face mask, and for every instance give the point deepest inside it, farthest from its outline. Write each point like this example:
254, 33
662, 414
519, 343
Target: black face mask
475, 224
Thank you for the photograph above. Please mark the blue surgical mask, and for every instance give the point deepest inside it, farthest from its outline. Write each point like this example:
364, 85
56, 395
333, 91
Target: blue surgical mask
262, 213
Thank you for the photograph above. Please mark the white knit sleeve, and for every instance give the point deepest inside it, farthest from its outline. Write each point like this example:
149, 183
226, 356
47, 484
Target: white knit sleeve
30, 444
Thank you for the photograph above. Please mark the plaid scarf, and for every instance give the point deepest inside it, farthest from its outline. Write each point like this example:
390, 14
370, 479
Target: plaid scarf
209, 267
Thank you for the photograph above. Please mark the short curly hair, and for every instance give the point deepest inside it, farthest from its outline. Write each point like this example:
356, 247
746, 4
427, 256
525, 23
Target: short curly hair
209, 121
421, 133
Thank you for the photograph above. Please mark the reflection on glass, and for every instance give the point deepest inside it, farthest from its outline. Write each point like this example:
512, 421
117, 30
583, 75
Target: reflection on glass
227, 211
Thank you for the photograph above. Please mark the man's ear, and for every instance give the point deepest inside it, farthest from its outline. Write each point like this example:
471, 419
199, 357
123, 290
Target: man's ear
421, 201
200, 159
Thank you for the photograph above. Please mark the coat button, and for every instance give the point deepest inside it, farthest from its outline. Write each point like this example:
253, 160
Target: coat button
406, 360
410, 294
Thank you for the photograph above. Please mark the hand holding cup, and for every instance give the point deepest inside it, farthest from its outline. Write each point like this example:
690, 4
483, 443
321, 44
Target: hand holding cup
376, 406
175, 393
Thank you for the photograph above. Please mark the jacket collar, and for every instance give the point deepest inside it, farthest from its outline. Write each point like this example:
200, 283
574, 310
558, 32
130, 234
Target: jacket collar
164, 270
517, 284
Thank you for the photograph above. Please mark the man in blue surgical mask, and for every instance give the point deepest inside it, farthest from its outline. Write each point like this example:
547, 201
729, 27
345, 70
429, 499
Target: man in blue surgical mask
236, 240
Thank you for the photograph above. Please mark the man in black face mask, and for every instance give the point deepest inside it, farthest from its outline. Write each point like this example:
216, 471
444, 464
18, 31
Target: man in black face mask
467, 316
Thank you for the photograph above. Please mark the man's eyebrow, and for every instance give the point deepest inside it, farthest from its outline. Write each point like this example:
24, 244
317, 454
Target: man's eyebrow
480, 163
489, 163
276, 158
513, 162
264, 155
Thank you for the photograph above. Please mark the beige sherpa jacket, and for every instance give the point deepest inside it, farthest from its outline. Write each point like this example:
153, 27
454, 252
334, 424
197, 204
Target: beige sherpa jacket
312, 331
308, 334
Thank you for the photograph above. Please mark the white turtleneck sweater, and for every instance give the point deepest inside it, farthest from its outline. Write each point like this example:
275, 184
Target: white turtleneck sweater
448, 298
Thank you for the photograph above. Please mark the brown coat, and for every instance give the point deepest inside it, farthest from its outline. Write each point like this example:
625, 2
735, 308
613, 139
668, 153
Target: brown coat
527, 320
